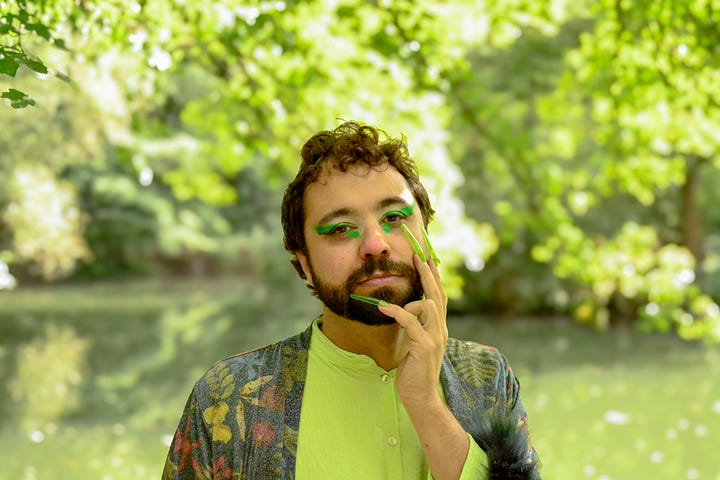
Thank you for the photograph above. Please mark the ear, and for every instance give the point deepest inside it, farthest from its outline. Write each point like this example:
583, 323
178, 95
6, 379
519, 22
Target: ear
305, 265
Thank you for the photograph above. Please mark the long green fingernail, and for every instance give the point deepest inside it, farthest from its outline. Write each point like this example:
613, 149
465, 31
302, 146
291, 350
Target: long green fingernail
371, 300
433, 255
413, 242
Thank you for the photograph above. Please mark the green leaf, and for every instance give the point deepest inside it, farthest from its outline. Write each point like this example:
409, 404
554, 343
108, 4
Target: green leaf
63, 77
8, 66
36, 65
40, 29
60, 43
17, 98
23, 15
13, 94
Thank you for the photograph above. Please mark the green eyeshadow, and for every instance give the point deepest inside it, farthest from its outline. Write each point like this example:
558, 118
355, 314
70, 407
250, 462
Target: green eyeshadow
407, 211
324, 229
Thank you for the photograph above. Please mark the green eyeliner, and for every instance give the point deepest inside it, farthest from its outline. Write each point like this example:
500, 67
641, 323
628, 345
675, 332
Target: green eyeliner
433, 255
404, 212
371, 300
414, 243
324, 229
329, 229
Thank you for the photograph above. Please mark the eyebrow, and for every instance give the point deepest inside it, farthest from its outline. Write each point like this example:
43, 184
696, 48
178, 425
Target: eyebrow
344, 211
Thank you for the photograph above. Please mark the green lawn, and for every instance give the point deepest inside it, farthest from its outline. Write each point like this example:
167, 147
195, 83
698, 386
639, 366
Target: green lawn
93, 379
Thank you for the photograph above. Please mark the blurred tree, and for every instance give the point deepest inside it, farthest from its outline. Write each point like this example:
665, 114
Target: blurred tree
645, 75
581, 136
237, 84
577, 136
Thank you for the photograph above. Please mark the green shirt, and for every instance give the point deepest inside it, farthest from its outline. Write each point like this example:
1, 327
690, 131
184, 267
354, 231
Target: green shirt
353, 424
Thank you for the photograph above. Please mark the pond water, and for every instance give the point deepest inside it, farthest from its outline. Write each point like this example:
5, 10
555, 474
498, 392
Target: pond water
94, 377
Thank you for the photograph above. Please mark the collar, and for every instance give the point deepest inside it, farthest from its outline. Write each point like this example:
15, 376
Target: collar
356, 365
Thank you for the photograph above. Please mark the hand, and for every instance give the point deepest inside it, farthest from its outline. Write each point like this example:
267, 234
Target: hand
444, 441
425, 325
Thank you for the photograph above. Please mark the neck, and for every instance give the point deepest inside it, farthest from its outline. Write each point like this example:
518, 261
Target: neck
385, 344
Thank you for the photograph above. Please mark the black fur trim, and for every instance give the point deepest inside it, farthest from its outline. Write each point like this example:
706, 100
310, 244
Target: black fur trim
507, 447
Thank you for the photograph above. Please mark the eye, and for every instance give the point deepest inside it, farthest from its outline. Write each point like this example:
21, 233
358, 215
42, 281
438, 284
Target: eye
340, 229
337, 230
394, 217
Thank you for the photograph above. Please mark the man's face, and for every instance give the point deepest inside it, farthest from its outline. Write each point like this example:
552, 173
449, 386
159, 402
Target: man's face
355, 244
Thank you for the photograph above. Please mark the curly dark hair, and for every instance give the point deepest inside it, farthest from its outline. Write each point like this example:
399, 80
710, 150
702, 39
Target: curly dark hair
348, 145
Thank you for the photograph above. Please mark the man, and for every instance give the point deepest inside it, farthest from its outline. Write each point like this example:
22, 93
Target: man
374, 388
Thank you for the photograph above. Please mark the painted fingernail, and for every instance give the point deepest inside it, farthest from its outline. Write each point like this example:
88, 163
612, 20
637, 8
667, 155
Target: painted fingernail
413, 242
371, 300
433, 255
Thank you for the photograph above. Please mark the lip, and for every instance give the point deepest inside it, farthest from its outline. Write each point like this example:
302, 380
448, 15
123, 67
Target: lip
379, 280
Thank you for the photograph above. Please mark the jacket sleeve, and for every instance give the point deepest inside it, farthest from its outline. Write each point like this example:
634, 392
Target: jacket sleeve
484, 395
503, 432
190, 454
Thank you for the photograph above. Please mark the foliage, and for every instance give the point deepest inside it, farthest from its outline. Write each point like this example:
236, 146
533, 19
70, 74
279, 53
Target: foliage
46, 222
578, 149
641, 76
569, 148
20, 19
50, 371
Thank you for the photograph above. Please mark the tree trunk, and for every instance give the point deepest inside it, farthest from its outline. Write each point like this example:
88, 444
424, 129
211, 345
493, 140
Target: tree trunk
691, 218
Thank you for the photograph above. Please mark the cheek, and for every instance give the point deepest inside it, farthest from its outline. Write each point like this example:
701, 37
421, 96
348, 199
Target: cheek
336, 265
337, 261
399, 244
331, 263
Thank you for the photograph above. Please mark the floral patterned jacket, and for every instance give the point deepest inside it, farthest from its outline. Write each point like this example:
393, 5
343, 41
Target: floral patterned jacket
242, 418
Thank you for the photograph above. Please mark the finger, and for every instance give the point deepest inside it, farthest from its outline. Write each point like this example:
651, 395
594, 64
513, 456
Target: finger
436, 273
435, 292
437, 301
433, 259
427, 313
407, 319
430, 282
421, 309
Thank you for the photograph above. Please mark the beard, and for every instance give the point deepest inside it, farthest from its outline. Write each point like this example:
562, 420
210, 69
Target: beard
337, 297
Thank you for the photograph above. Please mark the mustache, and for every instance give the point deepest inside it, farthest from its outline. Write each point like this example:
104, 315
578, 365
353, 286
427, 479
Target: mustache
381, 264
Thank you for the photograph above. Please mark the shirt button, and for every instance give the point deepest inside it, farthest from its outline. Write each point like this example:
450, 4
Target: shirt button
385, 378
392, 441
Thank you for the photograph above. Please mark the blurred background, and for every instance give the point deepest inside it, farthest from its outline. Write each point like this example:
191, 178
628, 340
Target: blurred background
570, 149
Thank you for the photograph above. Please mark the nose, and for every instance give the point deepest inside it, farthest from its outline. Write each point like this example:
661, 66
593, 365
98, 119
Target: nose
374, 243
